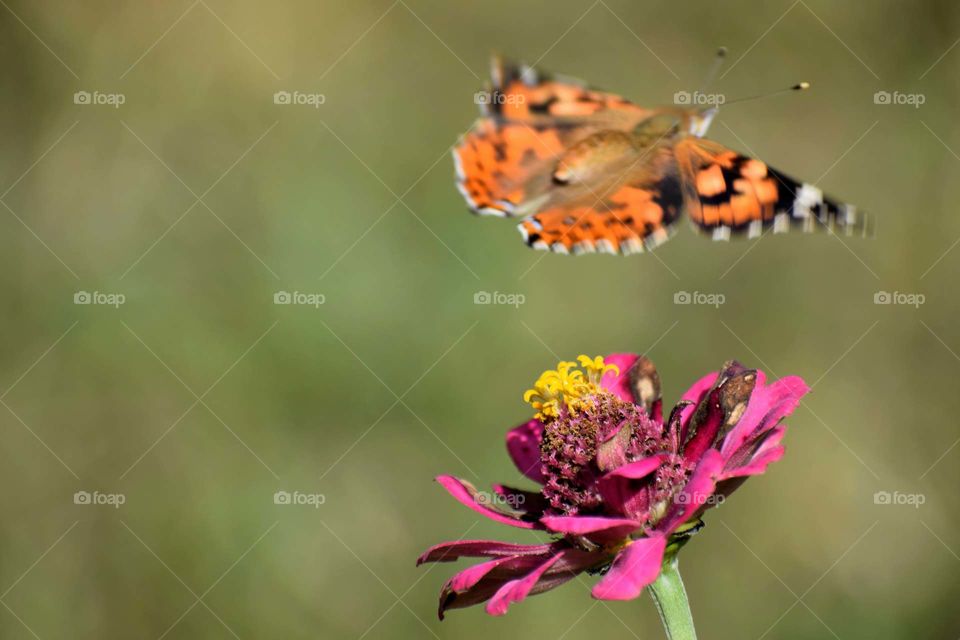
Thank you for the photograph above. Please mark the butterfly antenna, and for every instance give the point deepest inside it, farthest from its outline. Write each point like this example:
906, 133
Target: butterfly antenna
800, 86
714, 69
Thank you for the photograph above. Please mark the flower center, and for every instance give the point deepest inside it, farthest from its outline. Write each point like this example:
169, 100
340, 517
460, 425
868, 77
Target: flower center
569, 450
566, 386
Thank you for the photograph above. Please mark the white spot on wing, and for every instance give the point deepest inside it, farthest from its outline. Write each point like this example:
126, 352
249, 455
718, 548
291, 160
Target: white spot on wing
781, 222
630, 246
807, 198
849, 214
584, 246
605, 246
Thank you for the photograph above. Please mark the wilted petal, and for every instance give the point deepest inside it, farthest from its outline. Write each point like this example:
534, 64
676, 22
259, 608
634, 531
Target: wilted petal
467, 494
518, 589
634, 568
450, 551
523, 445
480, 583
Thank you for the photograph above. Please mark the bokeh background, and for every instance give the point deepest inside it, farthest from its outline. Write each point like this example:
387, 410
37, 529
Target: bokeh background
197, 399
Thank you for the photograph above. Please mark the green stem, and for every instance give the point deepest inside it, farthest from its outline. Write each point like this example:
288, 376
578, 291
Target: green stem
671, 600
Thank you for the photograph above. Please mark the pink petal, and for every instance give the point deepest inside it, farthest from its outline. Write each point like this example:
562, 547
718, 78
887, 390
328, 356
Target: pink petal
622, 493
769, 404
467, 494
695, 394
707, 428
518, 589
640, 468
480, 583
612, 453
470, 576
523, 445
619, 383
450, 551
634, 568
757, 465
594, 527
751, 464
695, 494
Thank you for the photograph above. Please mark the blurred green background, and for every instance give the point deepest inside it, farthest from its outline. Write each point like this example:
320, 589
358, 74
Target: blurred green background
198, 398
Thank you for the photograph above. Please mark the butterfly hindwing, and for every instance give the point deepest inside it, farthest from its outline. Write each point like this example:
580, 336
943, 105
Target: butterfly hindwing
633, 210
731, 194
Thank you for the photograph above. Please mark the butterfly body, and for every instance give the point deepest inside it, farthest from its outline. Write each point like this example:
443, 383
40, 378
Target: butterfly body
589, 171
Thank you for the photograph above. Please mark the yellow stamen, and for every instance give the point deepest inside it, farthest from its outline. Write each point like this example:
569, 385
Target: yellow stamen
567, 384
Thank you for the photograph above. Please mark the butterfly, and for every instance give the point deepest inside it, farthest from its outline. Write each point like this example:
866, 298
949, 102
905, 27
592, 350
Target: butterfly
589, 171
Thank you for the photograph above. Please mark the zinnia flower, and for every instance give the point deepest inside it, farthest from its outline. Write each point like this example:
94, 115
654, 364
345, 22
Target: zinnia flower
620, 488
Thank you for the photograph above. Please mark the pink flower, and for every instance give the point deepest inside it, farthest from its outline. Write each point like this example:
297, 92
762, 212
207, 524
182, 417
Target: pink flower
620, 488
